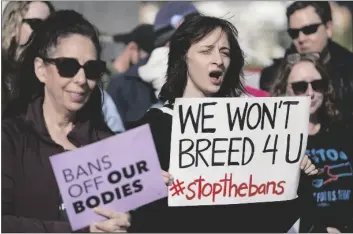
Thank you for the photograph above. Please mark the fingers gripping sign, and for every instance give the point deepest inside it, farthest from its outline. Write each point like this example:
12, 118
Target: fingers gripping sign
115, 221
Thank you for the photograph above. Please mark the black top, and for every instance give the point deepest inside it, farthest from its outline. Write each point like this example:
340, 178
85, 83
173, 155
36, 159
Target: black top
331, 190
158, 217
30, 195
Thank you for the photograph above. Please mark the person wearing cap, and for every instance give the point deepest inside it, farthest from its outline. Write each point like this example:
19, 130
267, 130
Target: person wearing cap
136, 91
167, 21
169, 17
127, 90
139, 43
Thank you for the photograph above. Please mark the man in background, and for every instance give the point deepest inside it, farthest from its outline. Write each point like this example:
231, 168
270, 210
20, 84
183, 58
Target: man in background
310, 27
136, 91
139, 43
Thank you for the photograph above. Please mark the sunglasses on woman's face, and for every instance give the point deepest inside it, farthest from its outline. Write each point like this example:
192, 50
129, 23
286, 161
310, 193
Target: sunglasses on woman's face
301, 87
68, 67
307, 30
34, 23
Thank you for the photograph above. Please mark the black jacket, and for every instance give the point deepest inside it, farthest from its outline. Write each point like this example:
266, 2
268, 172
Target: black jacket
30, 195
132, 96
158, 217
9, 79
340, 67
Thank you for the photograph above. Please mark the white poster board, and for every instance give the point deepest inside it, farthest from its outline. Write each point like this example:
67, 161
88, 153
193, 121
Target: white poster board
237, 150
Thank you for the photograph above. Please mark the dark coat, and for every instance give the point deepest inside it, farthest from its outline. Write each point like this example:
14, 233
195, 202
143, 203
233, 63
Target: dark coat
30, 195
132, 96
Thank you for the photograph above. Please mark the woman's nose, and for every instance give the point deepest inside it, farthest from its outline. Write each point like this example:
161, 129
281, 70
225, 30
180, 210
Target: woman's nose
80, 77
310, 91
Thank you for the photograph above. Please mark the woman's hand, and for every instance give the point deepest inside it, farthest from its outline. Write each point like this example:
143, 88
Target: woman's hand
168, 178
115, 222
308, 167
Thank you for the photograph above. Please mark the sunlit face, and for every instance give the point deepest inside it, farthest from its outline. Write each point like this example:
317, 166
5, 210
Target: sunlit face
316, 41
305, 71
36, 10
207, 61
69, 94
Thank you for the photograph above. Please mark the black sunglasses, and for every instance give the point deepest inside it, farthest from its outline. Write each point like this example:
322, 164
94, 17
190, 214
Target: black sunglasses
34, 23
307, 30
301, 87
68, 67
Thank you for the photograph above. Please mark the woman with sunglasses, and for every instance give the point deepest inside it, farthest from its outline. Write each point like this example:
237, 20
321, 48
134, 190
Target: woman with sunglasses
329, 145
205, 60
59, 109
19, 19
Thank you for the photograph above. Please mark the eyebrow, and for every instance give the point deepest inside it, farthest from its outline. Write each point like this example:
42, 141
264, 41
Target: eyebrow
212, 46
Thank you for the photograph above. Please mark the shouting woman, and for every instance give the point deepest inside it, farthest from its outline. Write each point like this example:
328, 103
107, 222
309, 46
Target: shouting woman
205, 60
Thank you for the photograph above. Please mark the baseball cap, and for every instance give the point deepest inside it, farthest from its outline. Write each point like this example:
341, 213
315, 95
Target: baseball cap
169, 17
143, 35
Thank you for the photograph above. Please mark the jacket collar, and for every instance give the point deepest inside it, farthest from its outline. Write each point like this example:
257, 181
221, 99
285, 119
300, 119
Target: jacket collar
326, 53
82, 134
334, 53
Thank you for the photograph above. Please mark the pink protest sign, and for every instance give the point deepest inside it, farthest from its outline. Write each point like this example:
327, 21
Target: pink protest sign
121, 173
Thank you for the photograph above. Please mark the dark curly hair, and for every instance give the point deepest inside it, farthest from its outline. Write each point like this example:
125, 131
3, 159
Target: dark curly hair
191, 31
328, 112
41, 43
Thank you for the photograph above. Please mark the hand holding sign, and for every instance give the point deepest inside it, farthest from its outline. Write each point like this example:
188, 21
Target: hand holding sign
116, 222
308, 167
168, 178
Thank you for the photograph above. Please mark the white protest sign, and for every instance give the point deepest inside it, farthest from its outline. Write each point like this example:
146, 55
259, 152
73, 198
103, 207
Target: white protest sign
237, 150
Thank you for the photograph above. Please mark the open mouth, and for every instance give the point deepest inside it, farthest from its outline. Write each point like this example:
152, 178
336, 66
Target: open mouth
216, 77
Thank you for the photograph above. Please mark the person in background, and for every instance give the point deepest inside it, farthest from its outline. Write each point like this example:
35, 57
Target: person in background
126, 89
19, 19
168, 19
329, 204
59, 108
139, 43
310, 27
137, 90
205, 60
111, 113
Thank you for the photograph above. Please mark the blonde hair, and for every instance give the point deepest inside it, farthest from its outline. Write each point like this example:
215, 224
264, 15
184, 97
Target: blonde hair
12, 17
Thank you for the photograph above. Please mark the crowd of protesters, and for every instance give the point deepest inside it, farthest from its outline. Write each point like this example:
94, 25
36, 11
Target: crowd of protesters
51, 105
